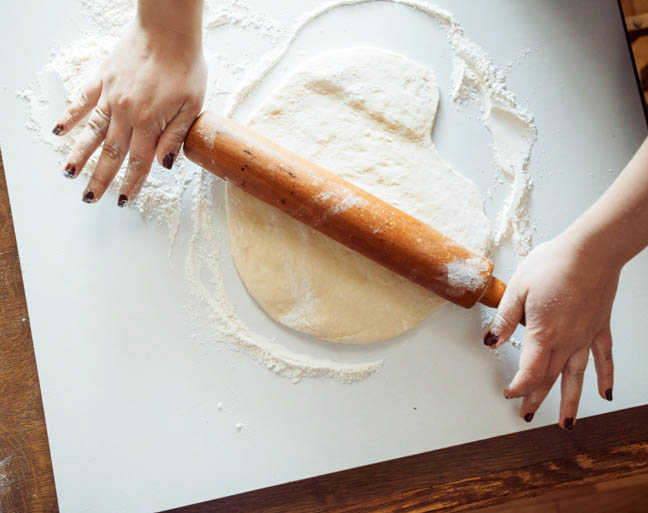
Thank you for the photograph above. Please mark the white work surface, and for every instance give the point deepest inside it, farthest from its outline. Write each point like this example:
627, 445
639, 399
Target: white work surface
131, 380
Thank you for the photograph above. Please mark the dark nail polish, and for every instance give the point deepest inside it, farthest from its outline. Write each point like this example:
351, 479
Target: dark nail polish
569, 423
490, 339
88, 197
69, 171
122, 200
58, 129
528, 417
608, 394
168, 159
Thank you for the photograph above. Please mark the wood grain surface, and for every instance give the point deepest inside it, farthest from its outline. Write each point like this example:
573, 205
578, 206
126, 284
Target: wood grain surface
601, 448
26, 479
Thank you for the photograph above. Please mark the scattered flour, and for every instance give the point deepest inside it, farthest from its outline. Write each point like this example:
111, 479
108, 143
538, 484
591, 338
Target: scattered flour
5, 480
475, 79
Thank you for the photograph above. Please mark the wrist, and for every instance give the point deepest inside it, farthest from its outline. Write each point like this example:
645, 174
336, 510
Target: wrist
595, 244
171, 22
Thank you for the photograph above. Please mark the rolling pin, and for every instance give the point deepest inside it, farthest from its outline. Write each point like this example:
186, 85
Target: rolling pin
342, 211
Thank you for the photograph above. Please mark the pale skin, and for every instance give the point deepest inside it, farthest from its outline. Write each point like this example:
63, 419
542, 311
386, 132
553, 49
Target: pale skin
565, 289
143, 99
147, 94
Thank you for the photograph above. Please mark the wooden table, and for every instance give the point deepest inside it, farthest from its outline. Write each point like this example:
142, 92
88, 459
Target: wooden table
463, 477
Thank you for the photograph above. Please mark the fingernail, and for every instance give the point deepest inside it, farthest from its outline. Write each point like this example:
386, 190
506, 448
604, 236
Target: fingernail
569, 423
58, 129
608, 394
88, 197
528, 417
490, 339
69, 171
168, 159
122, 200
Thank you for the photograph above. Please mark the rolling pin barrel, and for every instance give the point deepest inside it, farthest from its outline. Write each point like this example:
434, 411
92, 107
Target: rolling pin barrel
342, 211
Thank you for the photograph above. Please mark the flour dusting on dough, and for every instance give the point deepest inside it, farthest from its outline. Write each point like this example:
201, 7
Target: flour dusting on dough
466, 275
382, 145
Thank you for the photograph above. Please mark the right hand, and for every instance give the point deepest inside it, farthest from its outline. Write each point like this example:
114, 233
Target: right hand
565, 294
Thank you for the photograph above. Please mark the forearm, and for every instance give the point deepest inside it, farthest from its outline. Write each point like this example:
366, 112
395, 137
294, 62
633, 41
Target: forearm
615, 228
177, 19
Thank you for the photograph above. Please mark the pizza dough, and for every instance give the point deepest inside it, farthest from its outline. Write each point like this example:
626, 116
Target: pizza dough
367, 115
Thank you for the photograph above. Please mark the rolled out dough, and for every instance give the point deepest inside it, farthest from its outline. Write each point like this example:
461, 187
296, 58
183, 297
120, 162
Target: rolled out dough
367, 115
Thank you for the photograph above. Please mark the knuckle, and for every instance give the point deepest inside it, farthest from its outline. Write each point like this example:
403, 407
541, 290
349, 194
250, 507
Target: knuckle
502, 324
137, 164
176, 135
545, 336
122, 101
83, 98
146, 118
548, 382
577, 374
534, 381
98, 122
113, 151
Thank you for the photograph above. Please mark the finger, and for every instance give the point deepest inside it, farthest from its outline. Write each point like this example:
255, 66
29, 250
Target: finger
75, 112
142, 153
112, 155
534, 362
602, 351
532, 401
89, 140
174, 134
507, 316
571, 386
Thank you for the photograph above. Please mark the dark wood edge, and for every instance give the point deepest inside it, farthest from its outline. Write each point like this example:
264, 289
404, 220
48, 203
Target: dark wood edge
476, 474
634, 64
27, 481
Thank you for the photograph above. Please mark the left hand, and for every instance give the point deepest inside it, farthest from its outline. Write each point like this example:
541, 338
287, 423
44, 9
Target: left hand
144, 99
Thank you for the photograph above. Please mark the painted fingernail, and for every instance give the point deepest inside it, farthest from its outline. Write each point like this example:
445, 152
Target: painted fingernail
528, 417
490, 339
88, 197
168, 159
69, 171
608, 394
122, 200
58, 129
569, 423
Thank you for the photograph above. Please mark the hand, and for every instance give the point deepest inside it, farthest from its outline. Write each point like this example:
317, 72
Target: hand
566, 296
145, 97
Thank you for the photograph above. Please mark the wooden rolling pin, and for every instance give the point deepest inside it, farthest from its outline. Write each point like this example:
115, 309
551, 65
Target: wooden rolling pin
342, 211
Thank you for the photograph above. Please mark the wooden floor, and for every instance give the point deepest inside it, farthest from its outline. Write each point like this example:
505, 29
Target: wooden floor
623, 496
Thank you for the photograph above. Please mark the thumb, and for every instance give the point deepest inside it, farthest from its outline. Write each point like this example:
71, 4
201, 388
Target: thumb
508, 315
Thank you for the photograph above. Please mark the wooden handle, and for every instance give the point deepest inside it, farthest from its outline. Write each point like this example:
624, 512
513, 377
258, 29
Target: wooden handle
342, 211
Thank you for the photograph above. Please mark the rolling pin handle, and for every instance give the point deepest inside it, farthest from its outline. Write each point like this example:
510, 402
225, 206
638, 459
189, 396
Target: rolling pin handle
493, 293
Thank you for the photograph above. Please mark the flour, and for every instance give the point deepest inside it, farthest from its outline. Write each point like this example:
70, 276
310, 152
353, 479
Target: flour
5, 481
474, 79
466, 276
